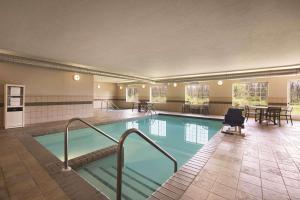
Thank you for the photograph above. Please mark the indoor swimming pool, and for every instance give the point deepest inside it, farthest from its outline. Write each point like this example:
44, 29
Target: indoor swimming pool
145, 168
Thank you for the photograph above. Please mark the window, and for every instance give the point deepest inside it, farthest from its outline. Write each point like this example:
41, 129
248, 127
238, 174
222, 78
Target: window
158, 127
252, 93
294, 96
158, 94
132, 94
196, 134
197, 93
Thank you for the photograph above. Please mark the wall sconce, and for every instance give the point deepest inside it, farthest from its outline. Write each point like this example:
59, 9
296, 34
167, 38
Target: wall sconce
175, 84
220, 82
98, 86
76, 77
143, 86
121, 87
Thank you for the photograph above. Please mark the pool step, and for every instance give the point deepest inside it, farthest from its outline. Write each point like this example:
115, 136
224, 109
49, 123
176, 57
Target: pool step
80, 161
135, 185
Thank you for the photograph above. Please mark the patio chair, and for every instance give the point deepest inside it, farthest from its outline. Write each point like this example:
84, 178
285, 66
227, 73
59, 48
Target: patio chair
249, 113
287, 113
186, 107
234, 118
205, 108
273, 115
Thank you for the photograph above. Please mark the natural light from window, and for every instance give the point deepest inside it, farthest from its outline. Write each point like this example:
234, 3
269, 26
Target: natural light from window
158, 94
132, 94
294, 95
197, 94
250, 93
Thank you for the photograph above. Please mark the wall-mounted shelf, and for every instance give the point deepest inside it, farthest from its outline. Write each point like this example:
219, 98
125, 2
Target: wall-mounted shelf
14, 106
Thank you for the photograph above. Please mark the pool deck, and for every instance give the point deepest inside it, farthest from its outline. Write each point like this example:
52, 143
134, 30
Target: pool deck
264, 164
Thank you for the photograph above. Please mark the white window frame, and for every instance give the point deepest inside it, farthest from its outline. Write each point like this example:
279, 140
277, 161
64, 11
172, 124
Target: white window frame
289, 94
187, 87
267, 93
137, 94
151, 98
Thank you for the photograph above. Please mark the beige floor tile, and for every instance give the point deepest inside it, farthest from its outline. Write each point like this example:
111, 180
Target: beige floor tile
272, 195
291, 175
250, 179
196, 193
224, 191
292, 182
249, 188
240, 195
204, 183
293, 192
272, 177
280, 188
251, 171
229, 181
214, 197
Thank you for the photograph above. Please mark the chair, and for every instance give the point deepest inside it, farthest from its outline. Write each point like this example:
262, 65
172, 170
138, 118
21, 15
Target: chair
287, 113
273, 115
186, 107
205, 108
249, 112
234, 118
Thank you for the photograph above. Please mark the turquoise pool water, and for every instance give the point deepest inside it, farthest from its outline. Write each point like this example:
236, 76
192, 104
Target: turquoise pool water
145, 168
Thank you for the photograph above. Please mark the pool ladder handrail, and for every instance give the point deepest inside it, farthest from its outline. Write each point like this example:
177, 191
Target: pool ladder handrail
120, 150
66, 139
120, 156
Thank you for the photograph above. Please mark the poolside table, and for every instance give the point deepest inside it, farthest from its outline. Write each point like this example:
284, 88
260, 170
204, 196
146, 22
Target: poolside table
262, 110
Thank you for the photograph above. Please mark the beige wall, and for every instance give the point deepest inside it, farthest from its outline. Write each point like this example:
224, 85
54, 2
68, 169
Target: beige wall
220, 96
106, 90
68, 98
104, 96
41, 81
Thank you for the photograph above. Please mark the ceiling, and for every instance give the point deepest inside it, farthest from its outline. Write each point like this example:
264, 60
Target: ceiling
155, 38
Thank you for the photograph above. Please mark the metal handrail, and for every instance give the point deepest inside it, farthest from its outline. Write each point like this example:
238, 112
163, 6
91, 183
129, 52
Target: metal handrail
66, 139
113, 106
120, 156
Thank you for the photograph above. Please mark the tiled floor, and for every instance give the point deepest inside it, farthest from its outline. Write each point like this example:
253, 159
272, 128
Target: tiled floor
263, 165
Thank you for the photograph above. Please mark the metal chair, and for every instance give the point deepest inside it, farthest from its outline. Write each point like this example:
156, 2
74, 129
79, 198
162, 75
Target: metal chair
249, 112
273, 115
287, 113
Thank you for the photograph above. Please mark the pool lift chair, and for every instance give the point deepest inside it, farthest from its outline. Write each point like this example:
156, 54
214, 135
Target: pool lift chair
234, 118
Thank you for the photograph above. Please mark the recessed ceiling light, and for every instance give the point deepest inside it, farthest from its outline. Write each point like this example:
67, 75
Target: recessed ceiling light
76, 77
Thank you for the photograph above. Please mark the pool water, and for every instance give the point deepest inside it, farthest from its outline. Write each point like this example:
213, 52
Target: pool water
145, 168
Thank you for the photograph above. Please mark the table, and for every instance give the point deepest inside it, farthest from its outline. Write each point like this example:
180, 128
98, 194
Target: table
262, 110
144, 106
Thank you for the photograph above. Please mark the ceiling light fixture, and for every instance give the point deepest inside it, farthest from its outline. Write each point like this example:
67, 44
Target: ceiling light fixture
76, 77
